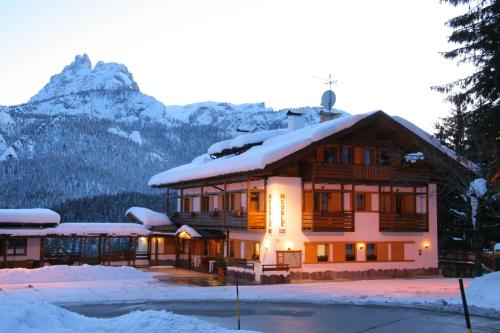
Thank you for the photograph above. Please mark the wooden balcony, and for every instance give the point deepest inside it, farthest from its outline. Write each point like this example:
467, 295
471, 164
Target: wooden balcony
365, 172
328, 222
256, 220
403, 223
222, 219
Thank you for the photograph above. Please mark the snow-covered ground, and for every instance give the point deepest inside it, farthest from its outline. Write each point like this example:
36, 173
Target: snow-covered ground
63, 285
47, 318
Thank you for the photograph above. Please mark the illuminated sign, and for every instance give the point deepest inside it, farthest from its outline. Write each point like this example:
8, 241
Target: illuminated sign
282, 213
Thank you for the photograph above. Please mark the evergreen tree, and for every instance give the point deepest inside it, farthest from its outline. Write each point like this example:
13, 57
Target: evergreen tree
473, 128
476, 120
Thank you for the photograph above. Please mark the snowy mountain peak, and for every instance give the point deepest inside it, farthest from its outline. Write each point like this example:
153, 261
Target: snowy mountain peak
79, 76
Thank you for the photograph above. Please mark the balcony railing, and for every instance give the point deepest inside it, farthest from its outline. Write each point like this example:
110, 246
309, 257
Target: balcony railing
402, 223
335, 222
222, 219
366, 172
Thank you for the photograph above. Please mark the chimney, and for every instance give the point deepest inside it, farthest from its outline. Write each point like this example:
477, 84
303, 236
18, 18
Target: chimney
325, 116
296, 120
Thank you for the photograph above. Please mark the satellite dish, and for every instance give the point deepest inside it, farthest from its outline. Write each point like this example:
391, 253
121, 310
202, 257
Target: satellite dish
328, 99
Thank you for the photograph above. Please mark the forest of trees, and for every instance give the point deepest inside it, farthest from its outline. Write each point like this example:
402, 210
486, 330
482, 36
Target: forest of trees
472, 128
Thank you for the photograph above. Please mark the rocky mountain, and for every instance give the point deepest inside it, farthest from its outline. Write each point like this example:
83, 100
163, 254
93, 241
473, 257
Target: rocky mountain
91, 132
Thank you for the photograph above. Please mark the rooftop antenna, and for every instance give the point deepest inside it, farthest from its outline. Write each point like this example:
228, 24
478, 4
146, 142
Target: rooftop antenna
327, 99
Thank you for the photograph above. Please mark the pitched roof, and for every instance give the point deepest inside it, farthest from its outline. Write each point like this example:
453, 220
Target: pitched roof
277, 147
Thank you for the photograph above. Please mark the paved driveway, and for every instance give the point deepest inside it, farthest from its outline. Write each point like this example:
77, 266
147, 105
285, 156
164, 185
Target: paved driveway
308, 318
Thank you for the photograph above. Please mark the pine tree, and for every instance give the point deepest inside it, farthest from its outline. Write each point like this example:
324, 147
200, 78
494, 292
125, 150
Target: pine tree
473, 128
477, 96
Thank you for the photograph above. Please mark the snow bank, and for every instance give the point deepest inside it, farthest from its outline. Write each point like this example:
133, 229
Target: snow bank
34, 215
71, 274
43, 317
147, 217
484, 291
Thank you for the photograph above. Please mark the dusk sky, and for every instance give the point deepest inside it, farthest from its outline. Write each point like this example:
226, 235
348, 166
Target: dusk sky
385, 54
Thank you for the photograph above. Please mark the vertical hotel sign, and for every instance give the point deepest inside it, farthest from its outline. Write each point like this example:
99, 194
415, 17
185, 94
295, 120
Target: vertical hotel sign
269, 220
282, 213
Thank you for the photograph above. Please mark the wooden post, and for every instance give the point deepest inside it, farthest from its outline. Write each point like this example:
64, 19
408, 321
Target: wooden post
177, 256
149, 250
109, 250
4, 252
189, 243
129, 250
156, 249
99, 254
393, 209
135, 249
84, 249
42, 253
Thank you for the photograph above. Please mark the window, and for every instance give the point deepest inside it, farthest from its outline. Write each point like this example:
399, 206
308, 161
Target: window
361, 201
205, 247
371, 252
384, 157
257, 202
205, 203
16, 247
346, 155
350, 252
367, 156
330, 155
322, 252
327, 202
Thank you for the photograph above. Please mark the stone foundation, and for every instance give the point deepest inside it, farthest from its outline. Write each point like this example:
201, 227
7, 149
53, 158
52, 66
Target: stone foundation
370, 274
275, 279
240, 274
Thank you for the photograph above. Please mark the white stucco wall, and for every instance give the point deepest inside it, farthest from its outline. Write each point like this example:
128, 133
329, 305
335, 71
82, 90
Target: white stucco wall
366, 231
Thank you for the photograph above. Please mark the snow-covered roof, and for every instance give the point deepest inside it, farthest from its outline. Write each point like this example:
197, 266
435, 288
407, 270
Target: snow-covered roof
243, 140
83, 229
189, 230
433, 141
29, 216
147, 217
277, 147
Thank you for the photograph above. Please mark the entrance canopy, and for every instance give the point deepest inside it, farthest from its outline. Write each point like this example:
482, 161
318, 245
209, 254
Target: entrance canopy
187, 232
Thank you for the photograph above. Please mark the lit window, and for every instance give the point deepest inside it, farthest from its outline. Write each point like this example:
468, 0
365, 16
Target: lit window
322, 252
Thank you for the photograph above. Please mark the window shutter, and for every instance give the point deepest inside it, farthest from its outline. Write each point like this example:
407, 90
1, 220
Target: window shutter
237, 248
338, 252
335, 202
382, 252
237, 201
397, 251
358, 155
210, 202
308, 202
409, 204
368, 203
248, 250
320, 155
310, 253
